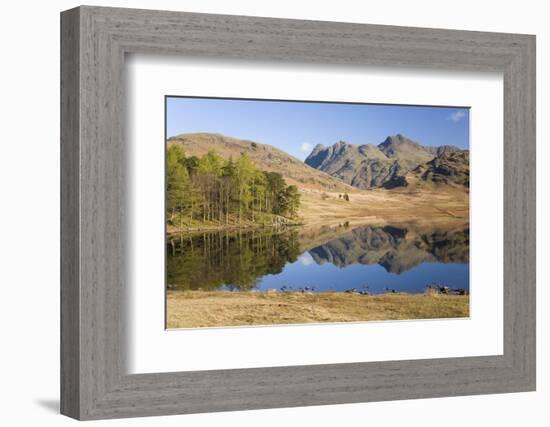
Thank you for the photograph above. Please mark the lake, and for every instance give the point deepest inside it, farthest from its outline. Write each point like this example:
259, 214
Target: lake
373, 259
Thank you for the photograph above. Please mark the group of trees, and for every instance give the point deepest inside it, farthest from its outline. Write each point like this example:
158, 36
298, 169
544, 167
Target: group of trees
226, 191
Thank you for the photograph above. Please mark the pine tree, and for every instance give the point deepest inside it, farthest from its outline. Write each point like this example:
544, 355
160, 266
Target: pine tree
178, 183
209, 170
213, 189
276, 186
245, 173
228, 193
293, 200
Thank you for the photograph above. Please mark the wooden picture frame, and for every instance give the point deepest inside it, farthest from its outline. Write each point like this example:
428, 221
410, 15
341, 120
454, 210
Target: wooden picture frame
94, 382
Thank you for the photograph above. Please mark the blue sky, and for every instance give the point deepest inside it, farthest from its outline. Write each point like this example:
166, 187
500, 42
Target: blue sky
296, 127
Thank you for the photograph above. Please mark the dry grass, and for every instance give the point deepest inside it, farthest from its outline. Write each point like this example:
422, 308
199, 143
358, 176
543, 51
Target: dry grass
191, 309
432, 205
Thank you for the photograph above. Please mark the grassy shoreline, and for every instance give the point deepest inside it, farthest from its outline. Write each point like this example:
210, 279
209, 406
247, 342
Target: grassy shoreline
448, 207
192, 309
172, 231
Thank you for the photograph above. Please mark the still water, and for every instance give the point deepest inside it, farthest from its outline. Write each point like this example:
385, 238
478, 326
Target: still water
368, 258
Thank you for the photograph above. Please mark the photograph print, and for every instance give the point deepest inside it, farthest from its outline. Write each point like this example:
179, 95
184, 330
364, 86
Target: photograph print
298, 212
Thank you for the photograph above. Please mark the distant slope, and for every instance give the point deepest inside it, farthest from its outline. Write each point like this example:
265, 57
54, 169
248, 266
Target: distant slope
264, 157
451, 167
367, 166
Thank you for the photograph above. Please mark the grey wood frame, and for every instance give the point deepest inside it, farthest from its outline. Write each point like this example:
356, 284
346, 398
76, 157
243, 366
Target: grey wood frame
94, 41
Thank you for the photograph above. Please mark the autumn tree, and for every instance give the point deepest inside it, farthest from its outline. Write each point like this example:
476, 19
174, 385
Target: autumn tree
244, 176
211, 189
178, 183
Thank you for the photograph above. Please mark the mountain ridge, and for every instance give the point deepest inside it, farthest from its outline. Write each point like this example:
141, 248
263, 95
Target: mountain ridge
264, 156
393, 248
373, 166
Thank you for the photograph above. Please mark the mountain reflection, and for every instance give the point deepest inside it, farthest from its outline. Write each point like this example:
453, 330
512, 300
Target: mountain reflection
394, 248
241, 260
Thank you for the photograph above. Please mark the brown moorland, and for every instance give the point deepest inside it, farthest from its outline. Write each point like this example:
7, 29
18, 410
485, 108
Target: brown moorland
193, 309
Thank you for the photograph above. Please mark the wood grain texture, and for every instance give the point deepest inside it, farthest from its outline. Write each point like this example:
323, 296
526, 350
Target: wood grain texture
70, 292
94, 271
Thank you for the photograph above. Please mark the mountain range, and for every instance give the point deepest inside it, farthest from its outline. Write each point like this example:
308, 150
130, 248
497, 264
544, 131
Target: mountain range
391, 163
396, 162
395, 249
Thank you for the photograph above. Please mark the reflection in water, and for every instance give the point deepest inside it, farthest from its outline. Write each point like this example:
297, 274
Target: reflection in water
235, 259
393, 249
374, 259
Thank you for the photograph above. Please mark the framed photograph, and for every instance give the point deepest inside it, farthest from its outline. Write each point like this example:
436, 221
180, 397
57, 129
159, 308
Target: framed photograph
284, 231
261, 213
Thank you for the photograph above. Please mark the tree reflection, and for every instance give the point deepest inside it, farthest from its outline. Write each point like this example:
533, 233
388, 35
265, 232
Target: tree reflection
234, 259
238, 259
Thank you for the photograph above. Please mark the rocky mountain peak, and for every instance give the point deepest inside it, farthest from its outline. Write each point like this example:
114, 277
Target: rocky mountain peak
393, 144
317, 148
367, 165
